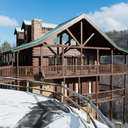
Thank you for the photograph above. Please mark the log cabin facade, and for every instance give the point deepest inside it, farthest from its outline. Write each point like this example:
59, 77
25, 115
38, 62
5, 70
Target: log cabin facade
72, 53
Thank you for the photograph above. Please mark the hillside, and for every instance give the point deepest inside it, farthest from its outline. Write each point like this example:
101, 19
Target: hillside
119, 37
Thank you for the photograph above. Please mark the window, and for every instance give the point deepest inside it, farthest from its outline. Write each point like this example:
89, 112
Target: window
51, 60
85, 60
69, 61
65, 38
73, 42
57, 40
91, 59
78, 60
59, 60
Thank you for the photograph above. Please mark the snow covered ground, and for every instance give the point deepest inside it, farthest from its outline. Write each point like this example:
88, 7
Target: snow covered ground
25, 110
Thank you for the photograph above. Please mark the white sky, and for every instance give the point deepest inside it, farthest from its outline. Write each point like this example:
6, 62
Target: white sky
111, 18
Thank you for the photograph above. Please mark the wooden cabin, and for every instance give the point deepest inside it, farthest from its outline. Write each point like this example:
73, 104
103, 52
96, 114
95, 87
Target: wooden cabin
75, 53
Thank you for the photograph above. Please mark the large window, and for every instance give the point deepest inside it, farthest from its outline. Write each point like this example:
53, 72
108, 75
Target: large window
91, 60
51, 60
73, 42
85, 60
65, 38
57, 40
59, 60
79, 60
69, 60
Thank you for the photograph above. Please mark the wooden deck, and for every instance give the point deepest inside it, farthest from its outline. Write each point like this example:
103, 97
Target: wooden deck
63, 71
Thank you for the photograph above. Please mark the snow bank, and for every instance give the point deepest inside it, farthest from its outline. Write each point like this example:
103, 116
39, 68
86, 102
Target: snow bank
15, 104
16, 107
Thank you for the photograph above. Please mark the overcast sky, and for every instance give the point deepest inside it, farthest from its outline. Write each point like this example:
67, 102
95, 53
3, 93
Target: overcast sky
109, 15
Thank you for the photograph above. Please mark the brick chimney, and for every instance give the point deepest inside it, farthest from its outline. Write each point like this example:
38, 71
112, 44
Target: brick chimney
36, 29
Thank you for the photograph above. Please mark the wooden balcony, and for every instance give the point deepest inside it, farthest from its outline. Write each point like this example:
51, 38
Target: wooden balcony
103, 96
109, 95
63, 71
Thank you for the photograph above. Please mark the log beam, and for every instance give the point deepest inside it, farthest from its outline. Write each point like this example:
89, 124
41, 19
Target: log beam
73, 36
89, 38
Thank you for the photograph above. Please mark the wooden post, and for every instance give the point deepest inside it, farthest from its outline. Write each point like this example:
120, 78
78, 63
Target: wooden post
17, 64
12, 59
17, 69
62, 91
98, 63
111, 104
81, 23
79, 88
112, 61
41, 58
4, 58
27, 86
79, 83
124, 99
81, 55
65, 84
97, 84
111, 87
63, 70
41, 88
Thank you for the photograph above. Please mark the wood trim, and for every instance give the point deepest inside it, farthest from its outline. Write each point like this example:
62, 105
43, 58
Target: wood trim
81, 28
73, 36
89, 38
49, 48
80, 46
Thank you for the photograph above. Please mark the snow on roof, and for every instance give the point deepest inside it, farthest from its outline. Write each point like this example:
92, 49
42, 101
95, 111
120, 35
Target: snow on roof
18, 107
45, 25
27, 22
18, 29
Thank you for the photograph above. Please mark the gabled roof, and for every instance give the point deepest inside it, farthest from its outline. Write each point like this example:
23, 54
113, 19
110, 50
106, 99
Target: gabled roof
44, 25
63, 26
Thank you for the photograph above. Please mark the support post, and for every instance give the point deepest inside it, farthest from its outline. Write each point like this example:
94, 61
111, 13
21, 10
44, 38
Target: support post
62, 91
98, 61
4, 58
12, 59
8, 59
63, 70
112, 62
17, 64
81, 23
27, 86
81, 55
97, 84
111, 87
79, 88
41, 59
124, 99
111, 104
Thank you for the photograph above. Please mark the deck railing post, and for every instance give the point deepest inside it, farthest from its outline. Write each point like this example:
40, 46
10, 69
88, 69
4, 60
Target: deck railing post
17, 64
111, 87
124, 92
98, 61
27, 86
62, 91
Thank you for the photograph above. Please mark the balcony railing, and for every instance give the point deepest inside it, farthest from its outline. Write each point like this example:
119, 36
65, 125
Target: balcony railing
109, 95
59, 70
